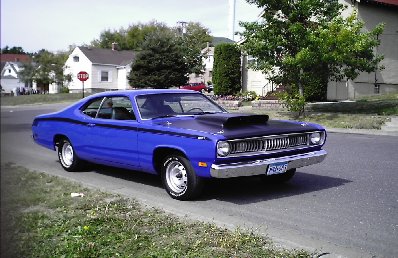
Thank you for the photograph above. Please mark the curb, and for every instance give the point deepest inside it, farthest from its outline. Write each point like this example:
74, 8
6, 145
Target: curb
362, 131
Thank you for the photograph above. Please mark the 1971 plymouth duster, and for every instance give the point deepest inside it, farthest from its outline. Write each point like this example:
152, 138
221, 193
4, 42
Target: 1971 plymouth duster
182, 135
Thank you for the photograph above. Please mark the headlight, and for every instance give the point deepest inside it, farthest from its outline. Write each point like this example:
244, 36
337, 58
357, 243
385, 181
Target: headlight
223, 149
316, 138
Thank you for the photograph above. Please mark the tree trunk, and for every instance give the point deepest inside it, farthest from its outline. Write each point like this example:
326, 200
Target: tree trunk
300, 85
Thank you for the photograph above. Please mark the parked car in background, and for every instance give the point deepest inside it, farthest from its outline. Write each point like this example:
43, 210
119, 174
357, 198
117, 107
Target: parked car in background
200, 86
183, 136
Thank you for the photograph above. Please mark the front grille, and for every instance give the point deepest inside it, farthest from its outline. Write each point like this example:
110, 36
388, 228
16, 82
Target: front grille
269, 143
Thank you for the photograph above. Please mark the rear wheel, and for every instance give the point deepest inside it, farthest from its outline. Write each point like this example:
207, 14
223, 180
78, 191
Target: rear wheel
67, 156
280, 178
179, 178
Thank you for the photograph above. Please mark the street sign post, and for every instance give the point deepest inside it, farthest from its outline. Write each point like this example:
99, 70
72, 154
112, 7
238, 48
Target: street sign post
82, 76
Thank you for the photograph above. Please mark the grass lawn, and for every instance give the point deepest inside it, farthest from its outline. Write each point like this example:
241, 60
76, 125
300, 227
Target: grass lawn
366, 113
41, 219
40, 99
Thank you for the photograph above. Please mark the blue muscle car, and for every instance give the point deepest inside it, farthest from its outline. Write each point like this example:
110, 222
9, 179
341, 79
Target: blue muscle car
181, 135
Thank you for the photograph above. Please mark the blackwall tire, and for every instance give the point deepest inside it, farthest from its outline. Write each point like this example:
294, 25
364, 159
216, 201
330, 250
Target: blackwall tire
179, 178
67, 156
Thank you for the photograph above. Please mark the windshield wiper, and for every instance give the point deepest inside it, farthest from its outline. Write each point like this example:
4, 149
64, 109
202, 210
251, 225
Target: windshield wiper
205, 113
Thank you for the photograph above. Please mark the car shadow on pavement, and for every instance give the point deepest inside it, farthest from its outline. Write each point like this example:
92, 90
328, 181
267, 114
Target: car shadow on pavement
253, 189
243, 190
126, 174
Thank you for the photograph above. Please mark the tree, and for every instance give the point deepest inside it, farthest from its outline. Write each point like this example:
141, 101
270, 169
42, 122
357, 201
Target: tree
193, 41
160, 64
131, 38
226, 69
27, 73
46, 68
13, 50
304, 44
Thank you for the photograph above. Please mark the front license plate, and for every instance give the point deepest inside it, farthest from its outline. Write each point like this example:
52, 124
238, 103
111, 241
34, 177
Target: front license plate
277, 168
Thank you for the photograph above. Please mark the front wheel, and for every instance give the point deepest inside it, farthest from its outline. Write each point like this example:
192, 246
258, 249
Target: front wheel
179, 178
67, 156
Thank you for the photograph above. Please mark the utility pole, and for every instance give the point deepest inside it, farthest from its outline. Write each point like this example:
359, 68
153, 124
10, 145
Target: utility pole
232, 7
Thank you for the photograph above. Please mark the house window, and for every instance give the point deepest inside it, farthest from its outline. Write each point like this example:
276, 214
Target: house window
104, 76
75, 59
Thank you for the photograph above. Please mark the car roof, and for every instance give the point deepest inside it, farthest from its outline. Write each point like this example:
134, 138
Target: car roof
136, 92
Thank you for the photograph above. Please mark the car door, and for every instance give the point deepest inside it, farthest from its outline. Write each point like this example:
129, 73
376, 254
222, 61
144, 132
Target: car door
112, 133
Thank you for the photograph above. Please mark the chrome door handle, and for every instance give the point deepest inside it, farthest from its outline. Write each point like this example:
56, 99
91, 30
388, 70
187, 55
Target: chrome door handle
91, 125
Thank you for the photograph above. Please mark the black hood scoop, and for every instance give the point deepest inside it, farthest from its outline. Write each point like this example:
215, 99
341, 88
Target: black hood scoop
232, 120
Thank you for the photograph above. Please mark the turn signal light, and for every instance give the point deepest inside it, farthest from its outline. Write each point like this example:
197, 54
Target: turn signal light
203, 164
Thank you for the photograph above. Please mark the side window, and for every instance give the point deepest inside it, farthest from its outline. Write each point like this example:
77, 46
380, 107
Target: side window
117, 108
105, 111
92, 108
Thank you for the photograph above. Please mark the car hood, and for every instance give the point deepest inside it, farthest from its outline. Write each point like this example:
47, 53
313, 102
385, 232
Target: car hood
239, 125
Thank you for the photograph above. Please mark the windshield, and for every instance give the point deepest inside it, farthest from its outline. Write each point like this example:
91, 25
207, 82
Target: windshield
173, 104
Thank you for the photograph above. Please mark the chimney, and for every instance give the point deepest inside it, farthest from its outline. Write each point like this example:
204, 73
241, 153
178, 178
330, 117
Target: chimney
115, 46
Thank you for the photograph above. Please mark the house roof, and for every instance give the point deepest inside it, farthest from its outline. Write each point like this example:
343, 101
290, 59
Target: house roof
15, 58
11, 65
108, 56
218, 40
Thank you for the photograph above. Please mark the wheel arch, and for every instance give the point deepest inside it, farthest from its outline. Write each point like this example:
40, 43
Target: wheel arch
161, 152
58, 138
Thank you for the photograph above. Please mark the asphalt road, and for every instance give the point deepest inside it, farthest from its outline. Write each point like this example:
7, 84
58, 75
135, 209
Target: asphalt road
346, 206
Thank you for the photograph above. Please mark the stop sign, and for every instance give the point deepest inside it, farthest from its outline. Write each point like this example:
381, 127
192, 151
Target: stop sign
82, 76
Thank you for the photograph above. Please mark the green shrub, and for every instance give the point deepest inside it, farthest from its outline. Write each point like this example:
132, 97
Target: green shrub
226, 69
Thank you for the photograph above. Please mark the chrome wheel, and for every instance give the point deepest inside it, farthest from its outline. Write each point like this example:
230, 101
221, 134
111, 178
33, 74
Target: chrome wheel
179, 178
176, 176
67, 154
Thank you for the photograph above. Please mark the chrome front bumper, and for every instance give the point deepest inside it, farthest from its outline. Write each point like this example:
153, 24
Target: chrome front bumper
259, 167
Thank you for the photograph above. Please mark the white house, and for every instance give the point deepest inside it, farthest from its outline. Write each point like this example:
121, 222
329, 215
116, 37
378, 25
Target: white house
254, 80
107, 69
208, 60
9, 77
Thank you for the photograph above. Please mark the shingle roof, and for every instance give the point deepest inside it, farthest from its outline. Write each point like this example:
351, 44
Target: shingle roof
15, 58
218, 40
108, 56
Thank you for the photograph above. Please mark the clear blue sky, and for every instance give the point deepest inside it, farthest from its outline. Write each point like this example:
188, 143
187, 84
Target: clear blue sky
56, 24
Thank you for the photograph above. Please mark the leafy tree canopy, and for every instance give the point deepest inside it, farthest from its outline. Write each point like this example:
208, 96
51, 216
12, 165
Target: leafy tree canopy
130, 38
160, 64
46, 68
191, 42
13, 50
303, 44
